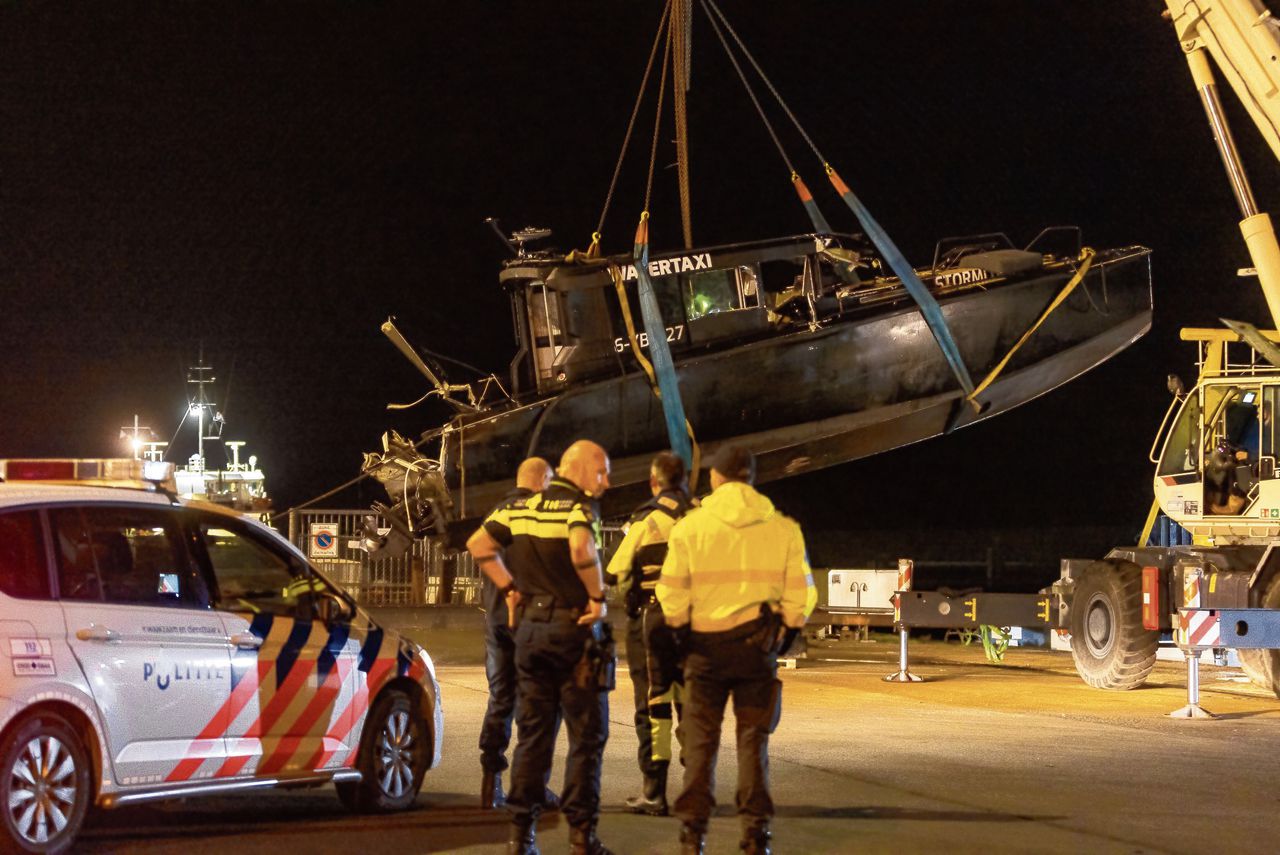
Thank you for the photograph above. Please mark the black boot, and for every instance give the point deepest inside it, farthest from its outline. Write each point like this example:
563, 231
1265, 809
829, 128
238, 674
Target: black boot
491, 795
583, 841
755, 841
523, 839
654, 800
692, 842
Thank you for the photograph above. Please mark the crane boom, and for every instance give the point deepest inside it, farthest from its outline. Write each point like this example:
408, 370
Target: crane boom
1243, 39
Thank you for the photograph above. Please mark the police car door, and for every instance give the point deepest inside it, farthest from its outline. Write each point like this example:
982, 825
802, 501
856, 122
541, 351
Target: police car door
138, 621
291, 668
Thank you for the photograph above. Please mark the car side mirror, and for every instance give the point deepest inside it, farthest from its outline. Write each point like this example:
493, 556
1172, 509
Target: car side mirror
332, 608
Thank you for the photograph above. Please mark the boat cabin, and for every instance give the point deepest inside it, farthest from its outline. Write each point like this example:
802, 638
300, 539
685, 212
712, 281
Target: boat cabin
570, 325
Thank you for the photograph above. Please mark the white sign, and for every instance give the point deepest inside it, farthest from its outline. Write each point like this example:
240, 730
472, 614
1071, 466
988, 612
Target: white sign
34, 668
323, 542
30, 647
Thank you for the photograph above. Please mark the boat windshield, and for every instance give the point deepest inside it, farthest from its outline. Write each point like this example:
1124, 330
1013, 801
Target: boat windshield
721, 291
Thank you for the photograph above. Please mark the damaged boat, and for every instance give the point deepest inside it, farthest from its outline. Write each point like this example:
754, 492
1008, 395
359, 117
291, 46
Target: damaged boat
804, 349
811, 350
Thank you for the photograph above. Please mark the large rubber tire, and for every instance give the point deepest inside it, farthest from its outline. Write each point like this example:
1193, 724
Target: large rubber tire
45, 787
1109, 645
394, 750
1263, 666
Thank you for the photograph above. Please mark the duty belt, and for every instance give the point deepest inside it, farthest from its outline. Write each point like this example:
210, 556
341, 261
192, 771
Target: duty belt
738, 633
544, 607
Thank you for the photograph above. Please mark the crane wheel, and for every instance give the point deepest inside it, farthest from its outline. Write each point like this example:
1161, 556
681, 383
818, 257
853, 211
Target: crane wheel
1263, 666
1108, 643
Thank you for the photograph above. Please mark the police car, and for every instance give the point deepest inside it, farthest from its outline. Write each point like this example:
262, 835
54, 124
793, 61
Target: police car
153, 648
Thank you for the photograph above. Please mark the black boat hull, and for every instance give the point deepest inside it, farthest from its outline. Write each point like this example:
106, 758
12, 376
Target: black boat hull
857, 386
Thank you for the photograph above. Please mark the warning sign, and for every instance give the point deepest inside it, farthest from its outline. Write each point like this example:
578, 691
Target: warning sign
324, 540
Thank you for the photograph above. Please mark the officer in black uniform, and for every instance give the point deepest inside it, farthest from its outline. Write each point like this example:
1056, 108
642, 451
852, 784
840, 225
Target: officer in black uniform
500, 646
651, 659
550, 572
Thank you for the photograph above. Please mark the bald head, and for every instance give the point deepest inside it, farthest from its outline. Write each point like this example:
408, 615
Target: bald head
586, 464
534, 474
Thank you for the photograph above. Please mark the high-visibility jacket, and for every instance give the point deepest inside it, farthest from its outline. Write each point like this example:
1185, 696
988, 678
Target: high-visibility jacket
638, 559
727, 557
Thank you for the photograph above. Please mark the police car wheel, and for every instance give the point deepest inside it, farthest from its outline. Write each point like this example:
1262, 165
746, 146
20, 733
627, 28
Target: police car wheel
45, 788
392, 759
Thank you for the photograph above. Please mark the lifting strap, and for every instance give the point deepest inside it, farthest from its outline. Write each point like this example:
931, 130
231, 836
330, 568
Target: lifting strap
662, 373
594, 250
1086, 261
693, 460
929, 307
820, 224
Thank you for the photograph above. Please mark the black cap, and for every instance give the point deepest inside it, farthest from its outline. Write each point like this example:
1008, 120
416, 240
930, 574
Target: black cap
735, 463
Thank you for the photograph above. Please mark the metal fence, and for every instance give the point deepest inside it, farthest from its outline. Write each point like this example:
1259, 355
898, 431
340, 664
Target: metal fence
425, 575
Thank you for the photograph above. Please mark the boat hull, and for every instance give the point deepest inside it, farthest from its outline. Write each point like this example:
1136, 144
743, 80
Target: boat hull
856, 386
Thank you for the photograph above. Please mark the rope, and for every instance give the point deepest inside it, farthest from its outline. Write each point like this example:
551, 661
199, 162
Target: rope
747, 85
711, 4
1086, 258
626, 140
680, 85
657, 123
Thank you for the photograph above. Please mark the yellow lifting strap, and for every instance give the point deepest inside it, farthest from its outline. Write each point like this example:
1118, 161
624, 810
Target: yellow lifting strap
582, 256
1086, 260
616, 273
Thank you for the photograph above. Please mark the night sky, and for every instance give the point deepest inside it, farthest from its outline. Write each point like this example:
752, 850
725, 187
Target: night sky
274, 180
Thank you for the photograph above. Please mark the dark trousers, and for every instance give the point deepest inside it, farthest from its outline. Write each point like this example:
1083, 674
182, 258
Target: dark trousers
666, 681
713, 672
548, 654
500, 669
638, 665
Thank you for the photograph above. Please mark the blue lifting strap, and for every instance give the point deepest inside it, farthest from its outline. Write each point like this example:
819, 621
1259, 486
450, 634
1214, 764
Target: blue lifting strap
928, 306
659, 353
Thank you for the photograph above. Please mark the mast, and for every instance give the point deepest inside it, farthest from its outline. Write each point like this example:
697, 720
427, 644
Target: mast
199, 376
134, 433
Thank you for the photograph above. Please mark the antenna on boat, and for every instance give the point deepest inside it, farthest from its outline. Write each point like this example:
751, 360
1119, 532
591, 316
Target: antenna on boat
528, 234
492, 222
444, 390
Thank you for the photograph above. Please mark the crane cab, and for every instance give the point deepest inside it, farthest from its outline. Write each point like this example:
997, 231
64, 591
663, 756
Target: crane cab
1216, 474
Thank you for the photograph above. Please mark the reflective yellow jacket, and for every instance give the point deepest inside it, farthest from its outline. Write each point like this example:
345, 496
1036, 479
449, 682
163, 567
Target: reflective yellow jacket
727, 557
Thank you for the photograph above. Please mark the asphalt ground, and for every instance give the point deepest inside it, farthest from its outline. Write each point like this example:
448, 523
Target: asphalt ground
981, 758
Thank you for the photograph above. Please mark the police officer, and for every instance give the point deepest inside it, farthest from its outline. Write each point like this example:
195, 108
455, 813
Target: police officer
499, 645
550, 573
736, 575
635, 567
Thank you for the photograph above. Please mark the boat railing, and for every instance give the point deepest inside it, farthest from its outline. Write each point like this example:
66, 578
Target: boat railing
948, 251
1043, 244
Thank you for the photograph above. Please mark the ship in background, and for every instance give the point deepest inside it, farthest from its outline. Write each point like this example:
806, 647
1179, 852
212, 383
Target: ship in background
239, 484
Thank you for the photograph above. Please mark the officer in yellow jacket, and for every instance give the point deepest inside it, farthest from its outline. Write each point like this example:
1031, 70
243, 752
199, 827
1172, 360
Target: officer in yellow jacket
655, 676
737, 580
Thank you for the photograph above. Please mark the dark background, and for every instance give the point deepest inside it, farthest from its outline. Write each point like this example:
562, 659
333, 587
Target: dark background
274, 180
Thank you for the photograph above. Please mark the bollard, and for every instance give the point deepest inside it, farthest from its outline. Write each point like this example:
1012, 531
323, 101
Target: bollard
906, 568
1196, 630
